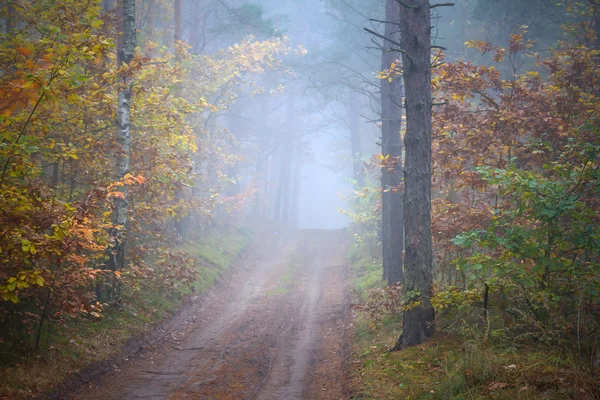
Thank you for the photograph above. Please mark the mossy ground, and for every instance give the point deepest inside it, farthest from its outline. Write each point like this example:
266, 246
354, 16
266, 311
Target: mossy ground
459, 363
69, 347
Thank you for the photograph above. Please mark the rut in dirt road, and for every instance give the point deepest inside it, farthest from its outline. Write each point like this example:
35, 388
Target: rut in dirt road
276, 331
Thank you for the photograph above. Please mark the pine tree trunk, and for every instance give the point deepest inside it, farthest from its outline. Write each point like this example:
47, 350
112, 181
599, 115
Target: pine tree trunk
116, 251
418, 322
355, 140
177, 20
392, 236
282, 207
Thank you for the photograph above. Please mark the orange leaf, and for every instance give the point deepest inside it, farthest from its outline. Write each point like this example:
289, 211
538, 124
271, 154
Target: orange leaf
24, 51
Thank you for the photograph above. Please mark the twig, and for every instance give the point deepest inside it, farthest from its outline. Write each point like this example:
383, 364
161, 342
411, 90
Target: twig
442, 5
384, 22
385, 38
162, 373
187, 348
406, 5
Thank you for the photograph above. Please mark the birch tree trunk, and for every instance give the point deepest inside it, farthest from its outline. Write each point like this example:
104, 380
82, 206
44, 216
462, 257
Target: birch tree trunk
116, 253
418, 322
392, 223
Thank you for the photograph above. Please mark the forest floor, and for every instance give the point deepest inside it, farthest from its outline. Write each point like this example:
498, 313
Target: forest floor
278, 329
459, 362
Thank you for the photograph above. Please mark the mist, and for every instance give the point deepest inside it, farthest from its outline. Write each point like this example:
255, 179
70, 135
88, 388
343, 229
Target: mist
299, 199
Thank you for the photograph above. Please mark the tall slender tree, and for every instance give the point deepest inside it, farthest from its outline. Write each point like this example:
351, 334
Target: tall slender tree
177, 20
357, 172
282, 207
415, 28
126, 51
391, 122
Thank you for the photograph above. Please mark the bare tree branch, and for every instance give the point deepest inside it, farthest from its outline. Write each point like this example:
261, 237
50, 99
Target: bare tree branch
442, 5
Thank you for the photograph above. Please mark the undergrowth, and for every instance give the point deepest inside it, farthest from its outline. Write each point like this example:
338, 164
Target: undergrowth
66, 348
460, 362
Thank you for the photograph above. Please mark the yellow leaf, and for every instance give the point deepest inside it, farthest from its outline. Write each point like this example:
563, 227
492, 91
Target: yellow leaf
97, 23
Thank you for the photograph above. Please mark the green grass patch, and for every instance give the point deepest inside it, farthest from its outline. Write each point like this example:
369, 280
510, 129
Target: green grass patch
367, 271
287, 278
69, 347
215, 254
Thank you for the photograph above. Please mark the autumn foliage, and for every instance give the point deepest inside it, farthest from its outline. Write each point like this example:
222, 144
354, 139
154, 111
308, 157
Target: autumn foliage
516, 168
58, 97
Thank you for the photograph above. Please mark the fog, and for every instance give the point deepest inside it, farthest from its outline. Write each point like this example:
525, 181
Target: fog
301, 128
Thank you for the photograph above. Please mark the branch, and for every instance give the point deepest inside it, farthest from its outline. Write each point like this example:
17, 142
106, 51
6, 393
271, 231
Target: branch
441, 5
384, 22
433, 46
378, 45
384, 38
488, 98
405, 5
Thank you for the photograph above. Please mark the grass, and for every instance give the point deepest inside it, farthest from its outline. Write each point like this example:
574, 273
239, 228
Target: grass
457, 365
287, 278
69, 347
215, 254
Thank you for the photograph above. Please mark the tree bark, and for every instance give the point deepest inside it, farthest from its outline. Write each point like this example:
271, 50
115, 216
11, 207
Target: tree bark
261, 162
282, 206
357, 172
177, 20
11, 16
116, 253
295, 191
392, 237
418, 321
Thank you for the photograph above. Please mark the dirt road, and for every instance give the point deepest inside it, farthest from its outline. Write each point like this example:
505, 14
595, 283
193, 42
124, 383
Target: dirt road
277, 330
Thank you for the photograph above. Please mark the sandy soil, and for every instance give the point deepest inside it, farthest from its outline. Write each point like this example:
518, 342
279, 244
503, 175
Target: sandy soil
277, 330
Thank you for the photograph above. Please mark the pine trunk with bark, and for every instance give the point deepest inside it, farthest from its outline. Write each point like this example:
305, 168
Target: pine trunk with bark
392, 235
116, 251
355, 140
282, 206
418, 321
177, 20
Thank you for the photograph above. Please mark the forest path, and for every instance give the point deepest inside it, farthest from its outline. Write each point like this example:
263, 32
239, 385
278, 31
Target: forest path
277, 330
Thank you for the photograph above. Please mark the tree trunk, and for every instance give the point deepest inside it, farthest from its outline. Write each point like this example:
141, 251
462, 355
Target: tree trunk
11, 16
282, 207
295, 190
177, 20
392, 237
418, 322
357, 172
116, 252
261, 163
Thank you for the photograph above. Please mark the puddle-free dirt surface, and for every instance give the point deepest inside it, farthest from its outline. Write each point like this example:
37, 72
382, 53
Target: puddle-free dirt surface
278, 329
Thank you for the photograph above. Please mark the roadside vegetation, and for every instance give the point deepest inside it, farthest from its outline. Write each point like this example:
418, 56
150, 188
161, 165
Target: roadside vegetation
71, 344
459, 362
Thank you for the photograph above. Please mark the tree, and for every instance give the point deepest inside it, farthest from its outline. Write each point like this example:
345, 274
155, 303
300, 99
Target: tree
357, 173
126, 51
282, 203
415, 28
391, 122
